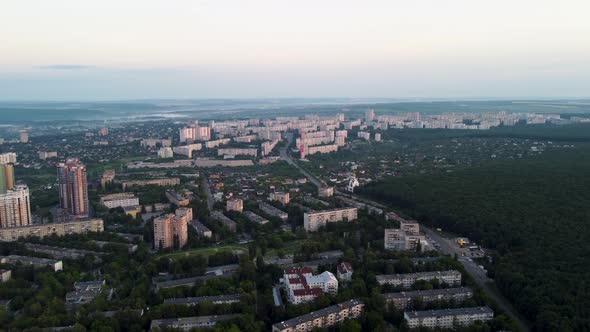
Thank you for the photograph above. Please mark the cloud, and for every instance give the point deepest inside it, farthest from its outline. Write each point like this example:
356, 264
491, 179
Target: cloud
65, 67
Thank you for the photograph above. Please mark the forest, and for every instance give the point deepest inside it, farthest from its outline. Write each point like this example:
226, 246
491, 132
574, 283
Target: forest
535, 216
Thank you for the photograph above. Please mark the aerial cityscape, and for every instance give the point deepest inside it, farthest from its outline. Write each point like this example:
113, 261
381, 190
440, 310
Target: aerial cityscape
283, 166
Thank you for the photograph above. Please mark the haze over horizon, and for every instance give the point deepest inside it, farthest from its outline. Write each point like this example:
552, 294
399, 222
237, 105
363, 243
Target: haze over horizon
275, 49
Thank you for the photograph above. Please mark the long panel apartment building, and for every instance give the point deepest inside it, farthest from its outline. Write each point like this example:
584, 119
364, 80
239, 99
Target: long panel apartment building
448, 318
273, 211
119, 200
450, 277
404, 300
59, 229
312, 221
322, 318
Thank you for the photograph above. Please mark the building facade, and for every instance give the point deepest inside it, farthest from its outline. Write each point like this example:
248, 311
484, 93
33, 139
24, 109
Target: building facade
59, 229
448, 318
450, 277
73, 188
171, 228
312, 221
15, 207
322, 318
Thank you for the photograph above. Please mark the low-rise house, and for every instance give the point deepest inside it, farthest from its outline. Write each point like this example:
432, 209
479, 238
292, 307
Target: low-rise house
344, 271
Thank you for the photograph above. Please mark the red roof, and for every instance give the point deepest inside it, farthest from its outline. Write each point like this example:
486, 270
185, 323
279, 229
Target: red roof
309, 291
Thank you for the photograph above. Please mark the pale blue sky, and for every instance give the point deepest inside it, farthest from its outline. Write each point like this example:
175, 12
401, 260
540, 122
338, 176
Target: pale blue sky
71, 49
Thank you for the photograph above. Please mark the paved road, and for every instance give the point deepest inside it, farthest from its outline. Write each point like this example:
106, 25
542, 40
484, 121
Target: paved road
478, 275
286, 157
205, 185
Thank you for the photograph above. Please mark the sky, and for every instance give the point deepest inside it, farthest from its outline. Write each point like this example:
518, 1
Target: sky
140, 49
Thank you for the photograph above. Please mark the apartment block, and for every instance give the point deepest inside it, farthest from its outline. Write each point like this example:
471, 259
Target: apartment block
201, 229
15, 207
219, 216
237, 152
234, 204
325, 191
172, 227
322, 318
255, 218
404, 300
280, 196
119, 200
448, 318
55, 265
312, 221
187, 323
158, 182
216, 299
59, 229
73, 188
187, 150
273, 211
450, 277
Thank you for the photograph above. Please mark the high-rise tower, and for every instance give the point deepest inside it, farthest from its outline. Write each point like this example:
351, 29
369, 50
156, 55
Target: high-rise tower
73, 188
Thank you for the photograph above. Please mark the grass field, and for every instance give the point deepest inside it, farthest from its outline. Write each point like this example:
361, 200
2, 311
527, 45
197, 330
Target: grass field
238, 249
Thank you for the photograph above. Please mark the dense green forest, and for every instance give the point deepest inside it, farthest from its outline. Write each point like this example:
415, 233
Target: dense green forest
535, 213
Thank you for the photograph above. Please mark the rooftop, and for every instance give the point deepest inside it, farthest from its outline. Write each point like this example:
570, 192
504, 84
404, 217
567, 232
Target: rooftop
448, 312
318, 314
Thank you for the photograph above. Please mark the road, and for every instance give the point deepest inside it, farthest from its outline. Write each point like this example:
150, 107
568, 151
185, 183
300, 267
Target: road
478, 275
286, 157
205, 185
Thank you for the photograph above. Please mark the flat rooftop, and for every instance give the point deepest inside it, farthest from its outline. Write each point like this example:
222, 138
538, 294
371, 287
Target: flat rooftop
449, 312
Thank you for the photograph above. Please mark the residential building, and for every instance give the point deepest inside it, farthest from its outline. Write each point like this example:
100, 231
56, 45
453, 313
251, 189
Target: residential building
165, 152
119, 200
59, 229
216, 299
187, 323
237, 152
15, 207
108, 176
312, 221
450, 277
344, 271
273, 211
61, 253
187, 150
302, 286
172, 228
158, 182
8, 158
219, 216
325, 191
179, 199
405, 300
84, 292
448, 318
201, 229
369, 115
44, 155
55, 265
73, 188
280, 196
234, 204
255, 218
322, 318
24, 137
6, 177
